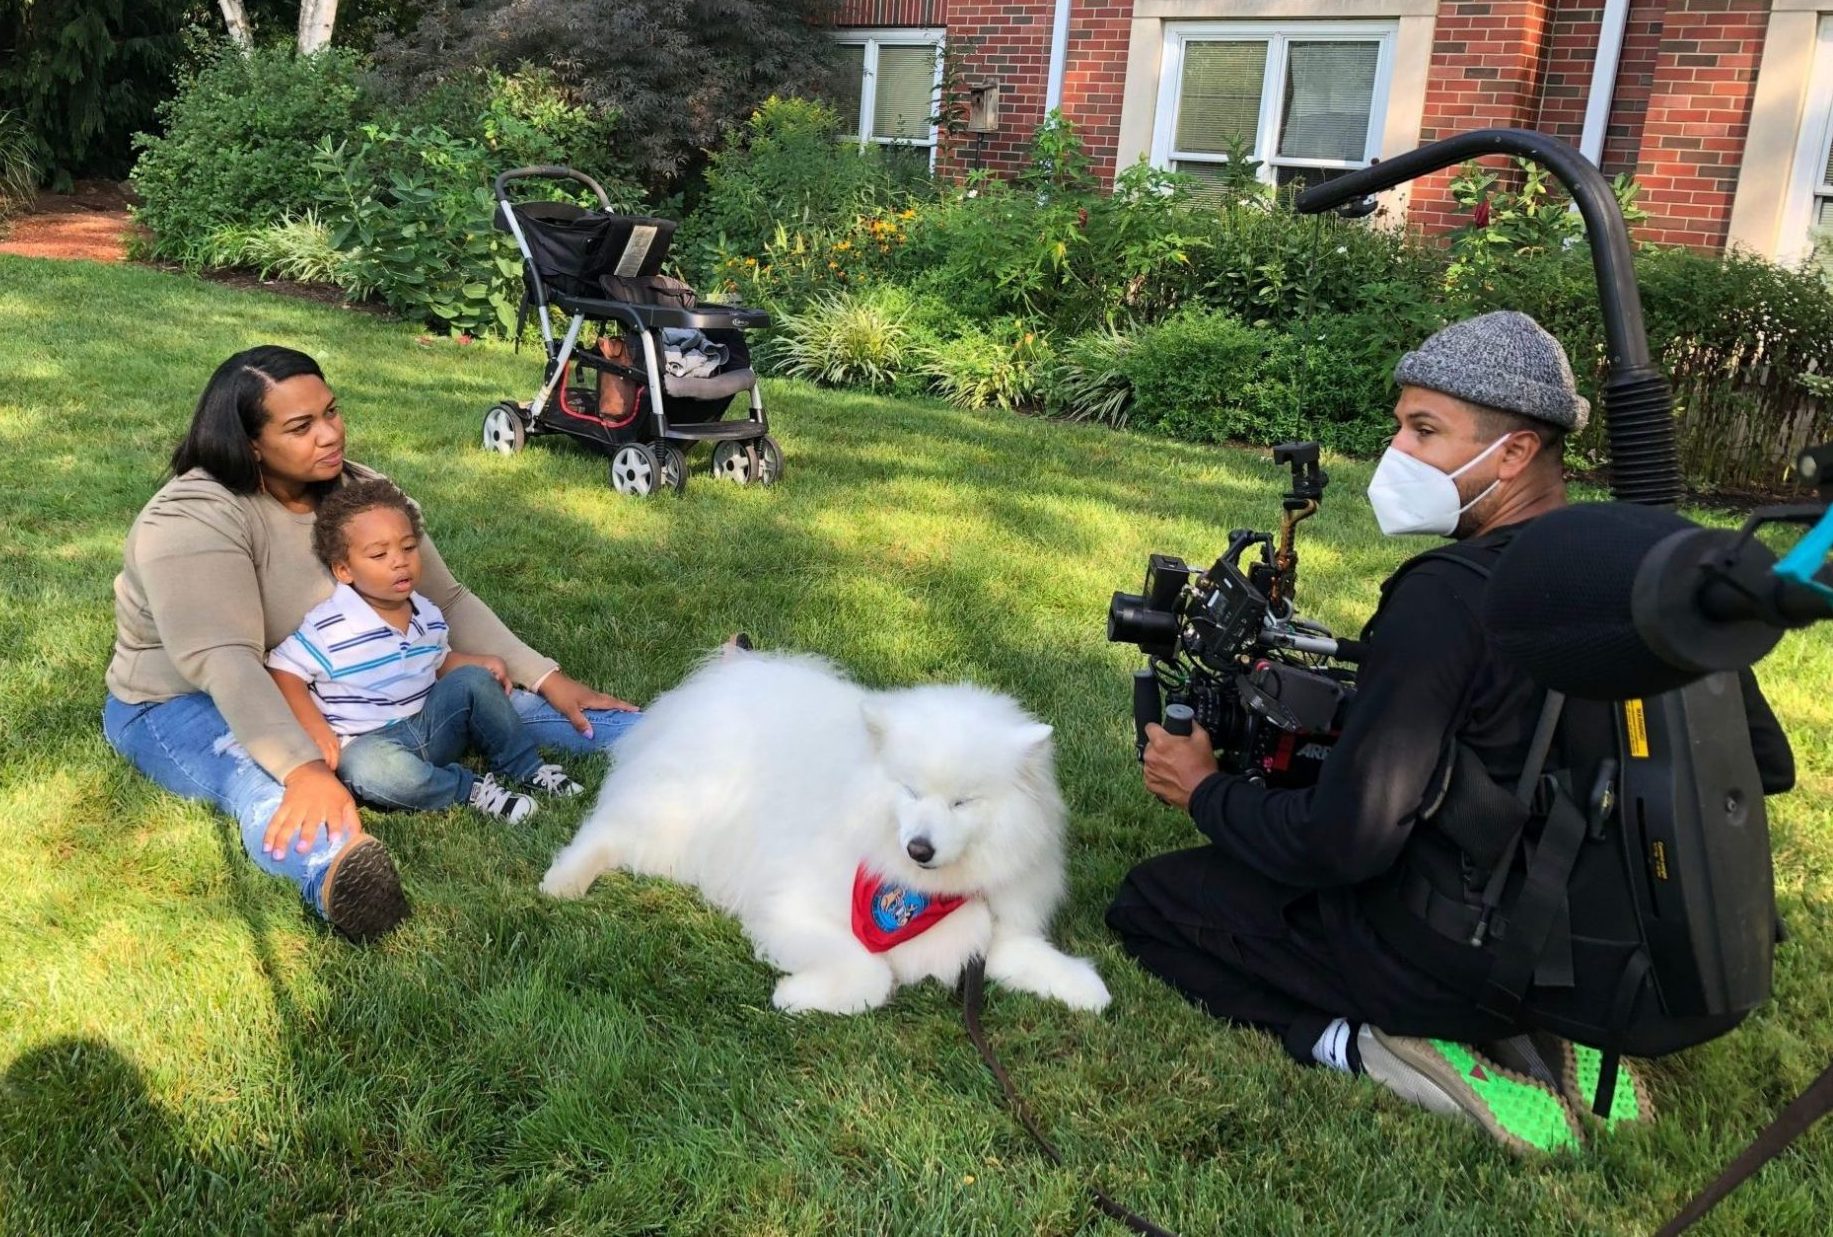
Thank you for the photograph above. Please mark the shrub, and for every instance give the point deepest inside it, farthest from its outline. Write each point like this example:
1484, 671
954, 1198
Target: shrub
671, 74
413, 214
1208, 377
238, 145
786, 171
299, 248
987, 367
1090, 380
19, 165
846, 339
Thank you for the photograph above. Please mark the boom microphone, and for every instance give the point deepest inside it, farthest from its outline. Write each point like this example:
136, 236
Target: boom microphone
1609, 601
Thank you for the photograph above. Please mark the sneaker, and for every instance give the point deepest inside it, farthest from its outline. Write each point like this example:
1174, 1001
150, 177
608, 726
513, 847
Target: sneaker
362, 891
1575, 1070
1524, 1114
554, 780
490, 797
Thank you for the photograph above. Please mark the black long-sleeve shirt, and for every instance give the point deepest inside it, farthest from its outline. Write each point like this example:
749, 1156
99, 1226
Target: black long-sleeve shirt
1426, 656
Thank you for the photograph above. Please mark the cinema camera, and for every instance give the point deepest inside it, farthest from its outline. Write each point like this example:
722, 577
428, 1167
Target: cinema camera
1226, 649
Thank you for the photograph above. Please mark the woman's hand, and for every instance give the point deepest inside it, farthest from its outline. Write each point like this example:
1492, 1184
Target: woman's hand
314, 798
572, 698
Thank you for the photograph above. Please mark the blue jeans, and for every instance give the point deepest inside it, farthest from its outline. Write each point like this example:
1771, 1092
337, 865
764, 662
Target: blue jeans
412, 763
184, 745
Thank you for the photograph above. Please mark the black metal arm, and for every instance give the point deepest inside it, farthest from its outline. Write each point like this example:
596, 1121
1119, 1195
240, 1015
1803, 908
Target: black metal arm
1638, 403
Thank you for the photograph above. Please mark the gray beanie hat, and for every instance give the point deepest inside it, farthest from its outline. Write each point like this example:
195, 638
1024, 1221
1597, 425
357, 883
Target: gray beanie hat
1502, 360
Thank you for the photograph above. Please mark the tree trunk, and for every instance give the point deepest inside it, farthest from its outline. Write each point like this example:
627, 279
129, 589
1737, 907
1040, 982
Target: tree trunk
316, 18
237, 18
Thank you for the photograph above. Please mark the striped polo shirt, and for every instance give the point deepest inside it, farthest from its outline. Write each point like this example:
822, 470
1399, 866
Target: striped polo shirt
362, 672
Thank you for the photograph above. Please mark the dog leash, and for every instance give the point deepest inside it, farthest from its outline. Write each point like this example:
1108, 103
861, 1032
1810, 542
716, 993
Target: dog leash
1807, 1108
973, 999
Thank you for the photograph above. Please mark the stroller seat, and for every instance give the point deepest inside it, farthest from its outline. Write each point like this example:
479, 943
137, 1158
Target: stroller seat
613, 392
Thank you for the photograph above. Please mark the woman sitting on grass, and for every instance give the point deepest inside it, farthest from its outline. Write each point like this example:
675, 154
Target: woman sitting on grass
219, 569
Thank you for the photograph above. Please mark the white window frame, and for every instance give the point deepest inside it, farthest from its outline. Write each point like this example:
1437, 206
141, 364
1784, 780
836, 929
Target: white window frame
1277, 35
1806, 189
893, 36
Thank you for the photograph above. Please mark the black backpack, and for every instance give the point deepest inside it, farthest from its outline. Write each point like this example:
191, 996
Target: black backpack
1620, 894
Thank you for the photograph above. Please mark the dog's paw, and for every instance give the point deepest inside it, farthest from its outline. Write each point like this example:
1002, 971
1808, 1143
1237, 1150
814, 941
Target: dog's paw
566, 882
849, 991
1077, 984
1037, 967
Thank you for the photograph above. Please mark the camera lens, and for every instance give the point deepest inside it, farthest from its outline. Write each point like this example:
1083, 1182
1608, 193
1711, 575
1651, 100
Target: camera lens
1131, 621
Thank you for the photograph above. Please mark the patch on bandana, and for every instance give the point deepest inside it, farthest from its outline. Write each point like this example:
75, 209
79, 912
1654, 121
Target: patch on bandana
885, 915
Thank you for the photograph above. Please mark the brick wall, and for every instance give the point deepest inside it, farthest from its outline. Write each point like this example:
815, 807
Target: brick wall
1635, 83
1010, 43
1698, 117
1566, 67
892, 13
1487, 61
1095, 74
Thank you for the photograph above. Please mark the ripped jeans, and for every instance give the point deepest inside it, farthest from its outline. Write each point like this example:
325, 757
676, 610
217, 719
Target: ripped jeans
184, 745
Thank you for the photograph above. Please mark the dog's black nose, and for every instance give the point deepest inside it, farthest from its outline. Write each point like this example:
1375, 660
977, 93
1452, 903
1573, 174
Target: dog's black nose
920, 850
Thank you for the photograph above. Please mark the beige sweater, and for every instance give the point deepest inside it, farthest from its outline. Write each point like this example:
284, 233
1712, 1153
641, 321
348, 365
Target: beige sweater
212, 580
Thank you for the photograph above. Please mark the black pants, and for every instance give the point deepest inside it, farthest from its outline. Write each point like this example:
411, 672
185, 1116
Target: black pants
1284, 960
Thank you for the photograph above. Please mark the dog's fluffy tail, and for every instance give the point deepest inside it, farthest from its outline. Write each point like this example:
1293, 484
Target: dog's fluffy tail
578, 864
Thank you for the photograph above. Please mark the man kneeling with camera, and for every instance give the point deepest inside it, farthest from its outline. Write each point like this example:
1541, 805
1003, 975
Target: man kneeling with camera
1280, 922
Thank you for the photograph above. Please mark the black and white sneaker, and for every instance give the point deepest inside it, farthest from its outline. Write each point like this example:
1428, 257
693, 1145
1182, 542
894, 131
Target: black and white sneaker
555, 781
490, 797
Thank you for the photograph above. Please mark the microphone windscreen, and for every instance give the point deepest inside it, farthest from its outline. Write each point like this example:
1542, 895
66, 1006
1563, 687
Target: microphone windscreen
1559, 603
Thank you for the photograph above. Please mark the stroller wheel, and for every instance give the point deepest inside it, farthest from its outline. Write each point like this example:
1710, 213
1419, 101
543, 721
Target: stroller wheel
737, 462
636, 469
674, 467
769, 461
505, 431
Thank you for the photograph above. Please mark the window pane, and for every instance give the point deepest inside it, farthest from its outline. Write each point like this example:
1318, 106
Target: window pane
1823, 216
1330, 88
905, 97
1305, 178
848, 79
1219, 98
1827, 177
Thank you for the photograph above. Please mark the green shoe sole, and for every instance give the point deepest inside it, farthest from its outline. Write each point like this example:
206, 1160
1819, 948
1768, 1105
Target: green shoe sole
1584, 1067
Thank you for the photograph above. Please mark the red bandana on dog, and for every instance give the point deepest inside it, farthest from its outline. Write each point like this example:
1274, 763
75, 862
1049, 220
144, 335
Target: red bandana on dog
886, 915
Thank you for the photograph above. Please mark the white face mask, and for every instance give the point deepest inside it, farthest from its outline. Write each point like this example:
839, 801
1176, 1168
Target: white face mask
1412, 496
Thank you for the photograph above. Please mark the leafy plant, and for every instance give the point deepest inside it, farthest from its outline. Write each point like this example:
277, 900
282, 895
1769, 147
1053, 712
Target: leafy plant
672, 75
238, 146
1209, 377
1090, 379
301, 248
420, 234
842, 339
984, 367
786, 172
19, 165
1526, 221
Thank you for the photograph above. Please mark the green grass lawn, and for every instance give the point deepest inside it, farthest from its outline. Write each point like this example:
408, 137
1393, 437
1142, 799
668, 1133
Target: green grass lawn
183, 1051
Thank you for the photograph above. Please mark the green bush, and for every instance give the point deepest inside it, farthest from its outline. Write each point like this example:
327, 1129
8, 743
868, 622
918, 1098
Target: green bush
238, 146
1089, 379
411, 207
413, 214
991, 367
786, 172
1208, 377
299, 247
19, 165
844, 339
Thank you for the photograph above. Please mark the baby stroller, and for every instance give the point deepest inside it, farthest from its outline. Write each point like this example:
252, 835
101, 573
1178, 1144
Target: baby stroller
660, 370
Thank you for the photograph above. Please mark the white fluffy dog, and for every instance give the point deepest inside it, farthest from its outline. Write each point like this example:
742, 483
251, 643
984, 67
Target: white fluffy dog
864, 839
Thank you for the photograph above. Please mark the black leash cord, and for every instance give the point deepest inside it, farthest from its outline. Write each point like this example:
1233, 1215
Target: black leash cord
973, 997
1808, 1107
